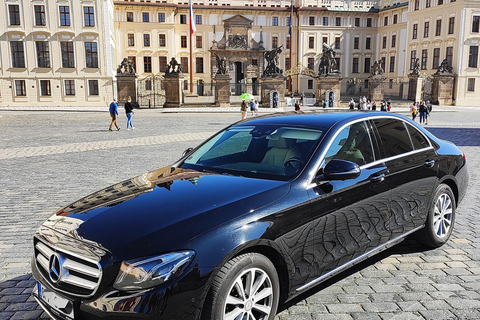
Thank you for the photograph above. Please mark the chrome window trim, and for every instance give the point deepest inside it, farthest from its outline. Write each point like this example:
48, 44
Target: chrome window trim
376, 162
56, 249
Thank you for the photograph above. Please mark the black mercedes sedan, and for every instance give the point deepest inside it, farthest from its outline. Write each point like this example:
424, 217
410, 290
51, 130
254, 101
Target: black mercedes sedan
254, 216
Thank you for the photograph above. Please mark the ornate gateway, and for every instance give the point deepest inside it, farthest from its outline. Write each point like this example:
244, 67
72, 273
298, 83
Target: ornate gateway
150, 91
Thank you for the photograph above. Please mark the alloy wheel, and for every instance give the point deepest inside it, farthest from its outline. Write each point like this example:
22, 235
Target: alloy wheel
442, 216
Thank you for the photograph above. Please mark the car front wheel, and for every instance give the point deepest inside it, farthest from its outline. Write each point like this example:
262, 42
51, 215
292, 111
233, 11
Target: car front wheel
440, 219
246, 288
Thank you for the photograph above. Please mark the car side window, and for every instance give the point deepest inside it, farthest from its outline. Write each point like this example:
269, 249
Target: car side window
418, 139
394, 136
353, 144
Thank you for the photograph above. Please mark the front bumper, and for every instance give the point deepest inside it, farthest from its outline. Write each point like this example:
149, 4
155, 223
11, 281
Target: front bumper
185, 298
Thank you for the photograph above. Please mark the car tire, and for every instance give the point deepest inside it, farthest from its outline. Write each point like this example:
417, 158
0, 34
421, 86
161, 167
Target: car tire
440, 219
234, 295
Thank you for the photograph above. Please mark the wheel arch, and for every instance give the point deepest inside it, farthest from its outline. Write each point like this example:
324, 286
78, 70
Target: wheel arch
453, 185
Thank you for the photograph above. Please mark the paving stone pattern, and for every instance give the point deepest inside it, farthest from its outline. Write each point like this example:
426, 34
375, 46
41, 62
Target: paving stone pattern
48, 159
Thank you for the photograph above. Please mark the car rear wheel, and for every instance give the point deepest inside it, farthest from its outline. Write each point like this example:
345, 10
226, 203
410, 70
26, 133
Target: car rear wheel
440, 219
246, 288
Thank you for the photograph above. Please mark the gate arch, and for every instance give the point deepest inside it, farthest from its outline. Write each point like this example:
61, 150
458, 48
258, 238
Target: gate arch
151, 91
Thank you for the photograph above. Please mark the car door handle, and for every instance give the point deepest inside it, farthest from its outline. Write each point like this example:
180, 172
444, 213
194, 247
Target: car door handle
378, 178
429, 163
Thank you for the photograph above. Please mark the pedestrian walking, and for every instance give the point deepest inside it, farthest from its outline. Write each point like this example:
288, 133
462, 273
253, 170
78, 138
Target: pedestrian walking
422, 110
374, 106
129, 112
351, 104
389, 105
114, 115
256, 107
243, 109
302, 98
428, 104
297, 105
383, 106
413, 110
252, 107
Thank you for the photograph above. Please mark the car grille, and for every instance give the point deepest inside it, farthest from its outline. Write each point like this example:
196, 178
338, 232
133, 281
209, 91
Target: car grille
76, 275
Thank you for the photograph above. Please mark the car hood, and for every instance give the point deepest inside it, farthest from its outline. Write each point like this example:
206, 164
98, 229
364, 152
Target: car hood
160, 210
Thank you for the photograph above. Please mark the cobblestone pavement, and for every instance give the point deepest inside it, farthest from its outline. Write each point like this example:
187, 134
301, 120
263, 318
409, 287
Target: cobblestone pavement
48, 159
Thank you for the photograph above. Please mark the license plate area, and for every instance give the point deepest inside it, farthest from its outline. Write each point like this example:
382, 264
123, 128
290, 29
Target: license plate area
59, 305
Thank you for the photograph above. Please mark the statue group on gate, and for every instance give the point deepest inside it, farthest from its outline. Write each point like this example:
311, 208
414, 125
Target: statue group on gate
125, 67
328, 64
376, 68
221, 64
416, 68
444, 68
174, 68
271, 56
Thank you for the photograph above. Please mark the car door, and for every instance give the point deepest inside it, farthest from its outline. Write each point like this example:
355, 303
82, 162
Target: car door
412, 170
350, 217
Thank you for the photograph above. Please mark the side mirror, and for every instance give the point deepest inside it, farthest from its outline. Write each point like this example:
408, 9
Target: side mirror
187, 152
337, 169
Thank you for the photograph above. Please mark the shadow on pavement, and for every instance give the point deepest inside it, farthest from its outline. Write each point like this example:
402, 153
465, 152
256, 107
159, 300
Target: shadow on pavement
16, 301
466, 137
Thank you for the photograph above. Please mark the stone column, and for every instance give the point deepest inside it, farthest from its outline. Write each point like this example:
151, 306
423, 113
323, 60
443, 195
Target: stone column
273, 84
375, 87
126, 86
173, 90
443, 89
222, 90
415, 83
328, 83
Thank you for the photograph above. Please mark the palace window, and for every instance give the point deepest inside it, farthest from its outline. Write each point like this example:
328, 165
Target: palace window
355, 65
161, 17
43, 54
356, 43
129, 16
426, 29
198, 42
413, 57
40, 15
311, 21
198, 19
438, 27
183, 41
70, 87
183, 19
423, 65
68, 60
93, 87
274, 42
311, 42
428, 3
325, 21
415, 31
395, 19
162, 40
131, 39
91, 54
394, 40
366, 67
449, 55
64, 15
146, 40
338, 21
471, 84
436, 58
162, 63
287, 63
384, 42
20, 88
473, 57
199, 64
475, 23
337, 43
417, 5
369, 22
184, 63
311, 63
274, 21
368, 43
357, 22
14, 11
89, 16
18, 55
147, 64
392, 64
289, 41
45, 89
145, 17
385, 21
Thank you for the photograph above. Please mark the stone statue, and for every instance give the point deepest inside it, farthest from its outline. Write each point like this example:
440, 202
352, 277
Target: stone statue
376, 68
416, 68
174, 67
328, 64
125, 67
444, 68
221, 64
271, 56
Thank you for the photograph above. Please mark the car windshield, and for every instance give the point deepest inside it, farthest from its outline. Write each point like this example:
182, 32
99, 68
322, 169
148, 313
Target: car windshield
261, 151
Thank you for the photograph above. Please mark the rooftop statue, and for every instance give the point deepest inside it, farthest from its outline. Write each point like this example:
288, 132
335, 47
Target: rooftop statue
125, 67
271, 56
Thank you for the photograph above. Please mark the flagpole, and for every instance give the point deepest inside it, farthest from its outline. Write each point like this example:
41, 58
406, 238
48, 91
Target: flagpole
290, 83
192, 30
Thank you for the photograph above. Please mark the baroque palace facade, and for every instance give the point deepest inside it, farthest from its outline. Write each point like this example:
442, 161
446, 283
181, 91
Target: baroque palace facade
65, 52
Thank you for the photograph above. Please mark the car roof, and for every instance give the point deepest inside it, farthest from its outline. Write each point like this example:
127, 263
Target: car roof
312, 119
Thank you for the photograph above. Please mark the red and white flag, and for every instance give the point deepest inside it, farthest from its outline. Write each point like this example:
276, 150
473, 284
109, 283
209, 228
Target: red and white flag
193, 28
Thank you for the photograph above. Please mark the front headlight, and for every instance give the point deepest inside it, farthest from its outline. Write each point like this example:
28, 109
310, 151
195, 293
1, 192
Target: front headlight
152, 272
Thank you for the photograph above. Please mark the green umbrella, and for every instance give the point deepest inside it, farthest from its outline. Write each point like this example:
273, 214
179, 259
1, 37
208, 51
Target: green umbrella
247, 96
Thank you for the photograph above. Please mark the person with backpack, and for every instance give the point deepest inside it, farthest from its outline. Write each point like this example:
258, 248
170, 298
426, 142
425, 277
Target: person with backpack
422, 110
129, 113
413, 111
429, 110
297, 105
